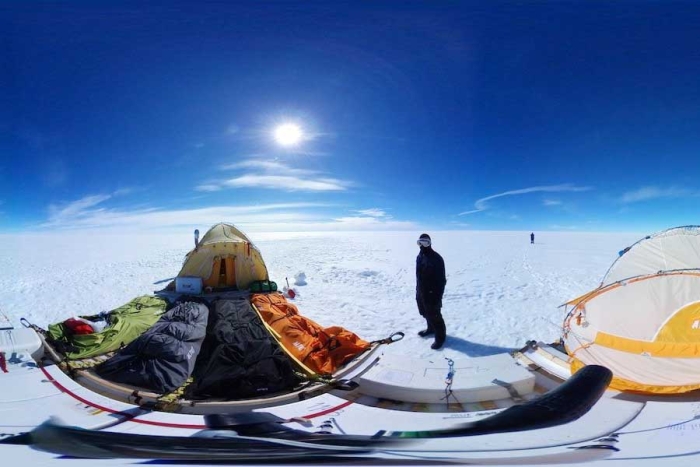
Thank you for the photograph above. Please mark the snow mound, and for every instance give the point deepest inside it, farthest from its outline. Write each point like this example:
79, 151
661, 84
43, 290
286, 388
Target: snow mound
300, 278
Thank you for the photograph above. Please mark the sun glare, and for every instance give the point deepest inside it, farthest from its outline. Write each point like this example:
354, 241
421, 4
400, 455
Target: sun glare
288, 134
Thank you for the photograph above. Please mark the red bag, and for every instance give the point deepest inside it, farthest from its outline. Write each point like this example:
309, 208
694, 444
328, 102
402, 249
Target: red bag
77, 326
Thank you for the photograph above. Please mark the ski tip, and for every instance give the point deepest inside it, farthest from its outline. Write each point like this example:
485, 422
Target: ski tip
24, 439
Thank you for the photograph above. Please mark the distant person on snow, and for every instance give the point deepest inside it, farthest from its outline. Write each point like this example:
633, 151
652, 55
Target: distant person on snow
532, 237
430, 286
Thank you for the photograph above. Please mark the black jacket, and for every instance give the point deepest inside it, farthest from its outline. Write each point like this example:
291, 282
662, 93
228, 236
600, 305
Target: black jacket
430, 276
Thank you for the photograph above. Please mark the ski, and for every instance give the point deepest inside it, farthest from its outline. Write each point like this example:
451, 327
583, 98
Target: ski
248, 436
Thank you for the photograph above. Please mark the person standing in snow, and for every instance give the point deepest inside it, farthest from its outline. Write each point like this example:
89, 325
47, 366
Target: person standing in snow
430, 286
532, 237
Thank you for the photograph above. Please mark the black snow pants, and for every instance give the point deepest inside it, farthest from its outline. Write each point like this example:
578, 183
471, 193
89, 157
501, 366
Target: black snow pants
433, 316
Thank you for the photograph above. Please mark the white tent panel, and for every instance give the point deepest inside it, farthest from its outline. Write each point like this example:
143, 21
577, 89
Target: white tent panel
637, 309
672, 249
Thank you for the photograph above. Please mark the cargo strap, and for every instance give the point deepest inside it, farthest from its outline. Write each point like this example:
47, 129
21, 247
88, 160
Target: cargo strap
71, 367
170, 402
514, 394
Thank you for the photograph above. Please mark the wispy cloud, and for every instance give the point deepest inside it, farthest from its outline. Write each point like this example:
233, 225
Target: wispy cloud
459, 224
125, 191
253, 164
551, 202
651, 192
373, 218
85, 213
286, 182
275, 175
83, 208
482, 204
563, 227
368, 222
75, 210
209, 187
373, 212
91, 212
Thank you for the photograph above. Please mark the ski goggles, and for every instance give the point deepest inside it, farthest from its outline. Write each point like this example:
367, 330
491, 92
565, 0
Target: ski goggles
424, 242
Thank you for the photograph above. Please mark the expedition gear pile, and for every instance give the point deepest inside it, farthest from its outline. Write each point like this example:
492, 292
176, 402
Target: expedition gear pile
238, 339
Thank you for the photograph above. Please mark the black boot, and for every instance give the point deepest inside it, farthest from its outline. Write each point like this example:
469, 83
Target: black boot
429, 328
440, 332
437, 344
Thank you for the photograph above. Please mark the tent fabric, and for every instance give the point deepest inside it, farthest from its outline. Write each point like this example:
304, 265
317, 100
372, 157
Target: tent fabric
645, 328
126, 323
646, 331
164, 356
225, 258
673, 249
640, 308
323, 350
662, 385
239, 359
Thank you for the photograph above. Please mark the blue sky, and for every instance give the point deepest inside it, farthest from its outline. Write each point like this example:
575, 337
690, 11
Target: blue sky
414, 115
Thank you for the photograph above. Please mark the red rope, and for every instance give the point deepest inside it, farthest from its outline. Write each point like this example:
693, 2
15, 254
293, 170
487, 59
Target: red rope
3, 362
132, 418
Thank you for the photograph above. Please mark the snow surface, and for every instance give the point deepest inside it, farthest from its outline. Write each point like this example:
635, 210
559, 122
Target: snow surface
501, 290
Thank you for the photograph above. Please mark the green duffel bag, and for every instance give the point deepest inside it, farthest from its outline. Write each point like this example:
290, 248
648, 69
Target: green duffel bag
263, 286
124, 324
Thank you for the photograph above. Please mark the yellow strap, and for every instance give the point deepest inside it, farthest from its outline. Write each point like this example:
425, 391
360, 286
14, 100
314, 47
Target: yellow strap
278, 338
655, 349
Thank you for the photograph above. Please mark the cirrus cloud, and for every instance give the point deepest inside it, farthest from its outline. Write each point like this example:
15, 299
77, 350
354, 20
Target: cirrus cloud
275, 175
483, 203
651, 192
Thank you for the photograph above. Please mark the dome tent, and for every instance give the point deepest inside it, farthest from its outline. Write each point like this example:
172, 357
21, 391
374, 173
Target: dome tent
225, 258
643, 321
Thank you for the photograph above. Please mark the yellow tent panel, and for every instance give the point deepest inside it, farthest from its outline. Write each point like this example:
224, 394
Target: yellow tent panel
225, 258
683, 326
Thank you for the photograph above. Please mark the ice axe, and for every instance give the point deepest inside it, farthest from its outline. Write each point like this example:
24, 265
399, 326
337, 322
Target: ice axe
290, 292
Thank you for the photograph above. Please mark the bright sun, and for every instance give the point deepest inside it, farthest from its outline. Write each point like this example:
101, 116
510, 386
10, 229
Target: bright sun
288, 134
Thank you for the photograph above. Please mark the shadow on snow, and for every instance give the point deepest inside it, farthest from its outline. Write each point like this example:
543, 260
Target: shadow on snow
473, 349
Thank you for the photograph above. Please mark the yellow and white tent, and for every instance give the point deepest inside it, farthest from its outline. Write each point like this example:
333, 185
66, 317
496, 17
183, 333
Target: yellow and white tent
643, 321
225, 258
